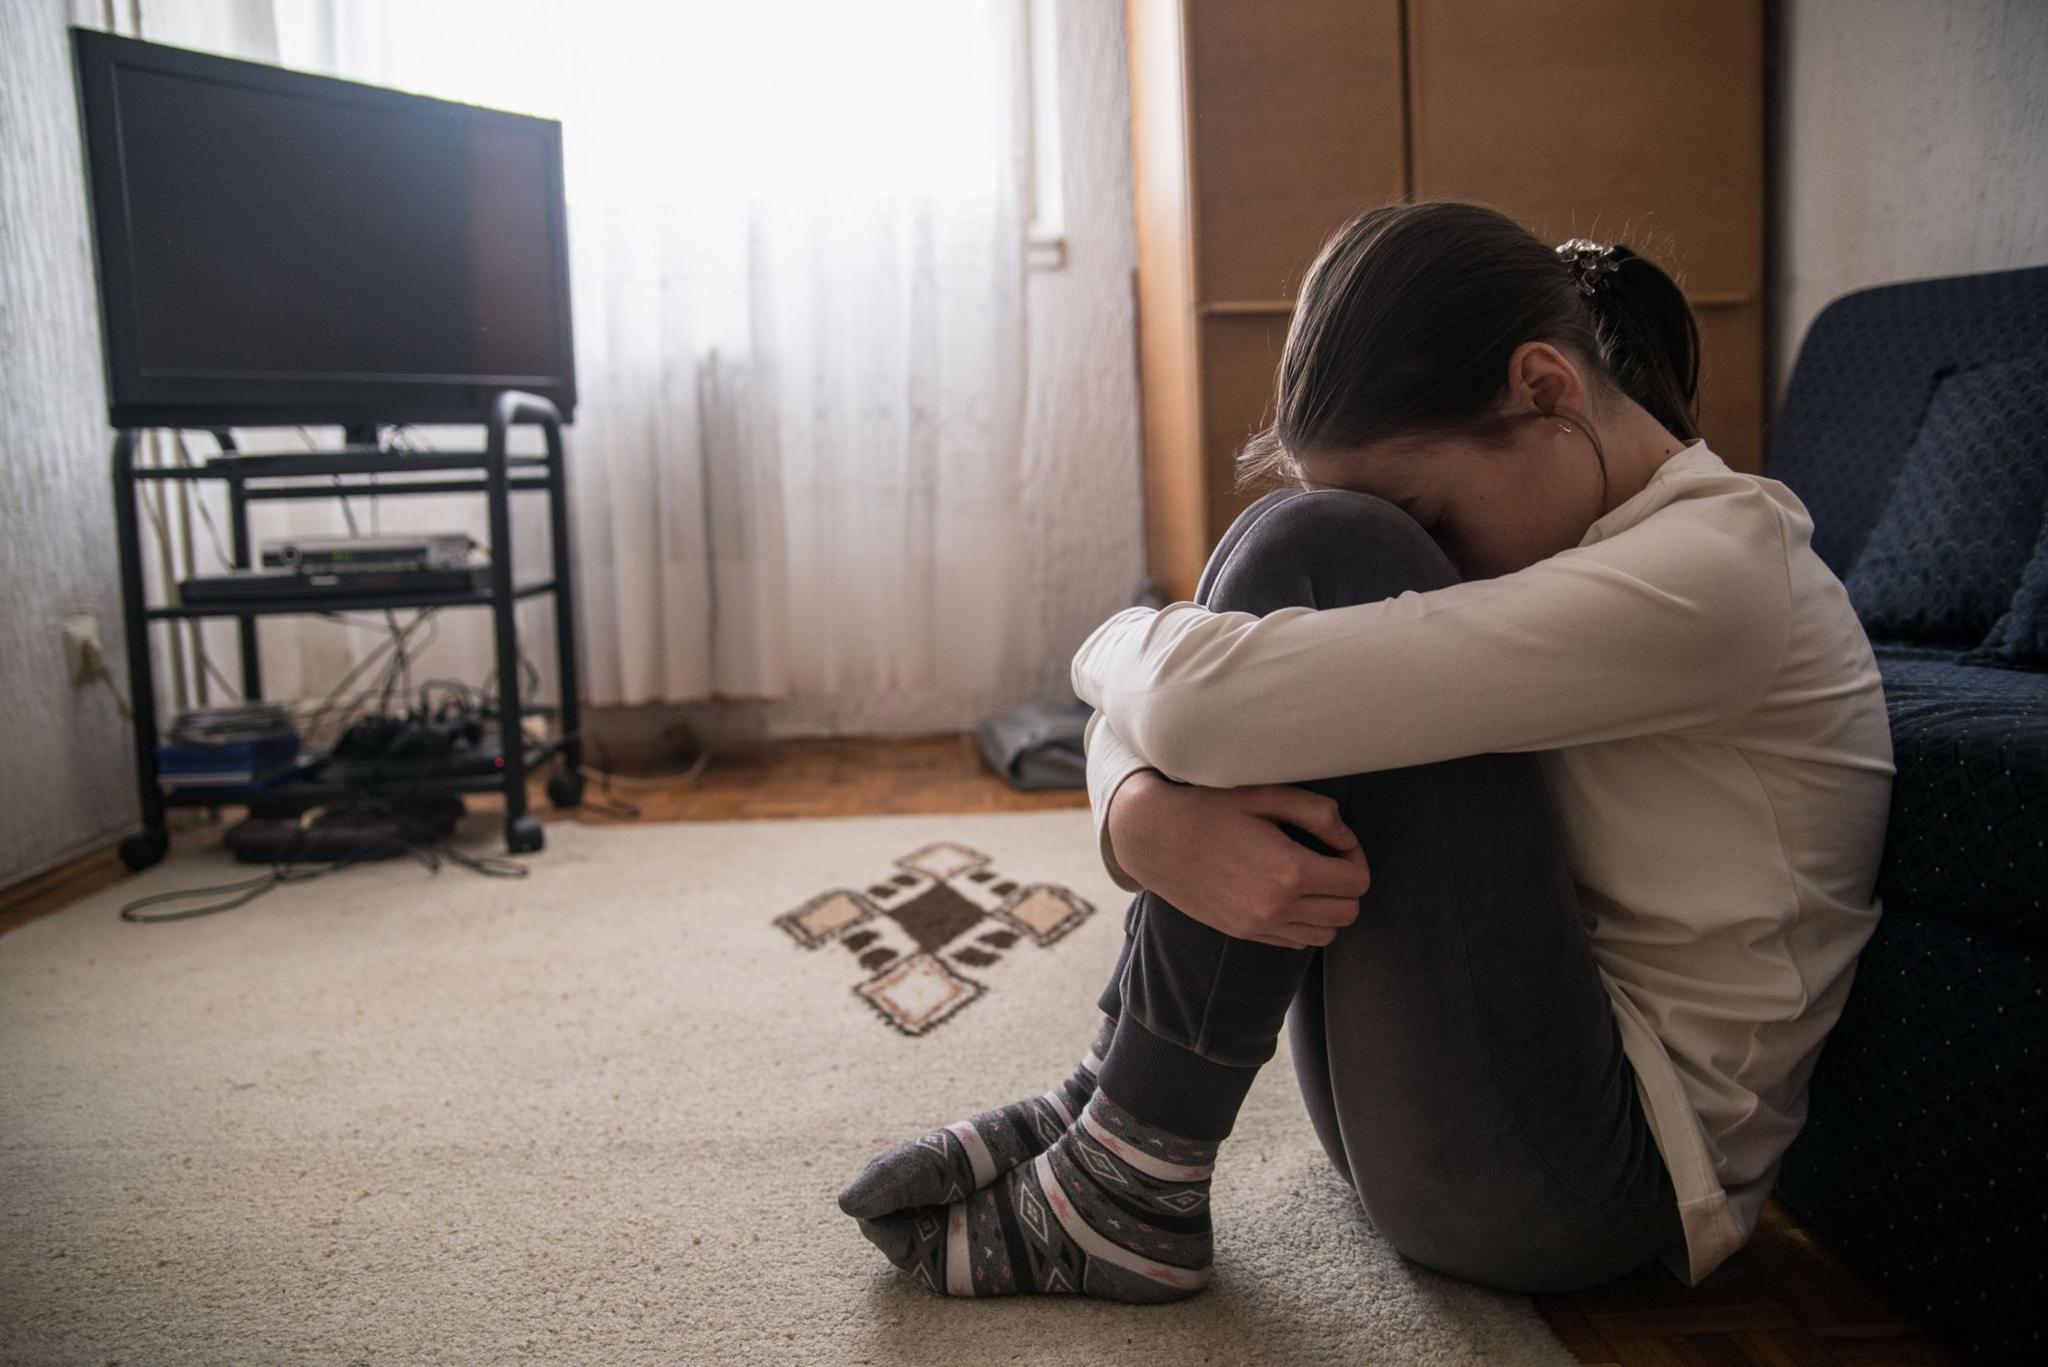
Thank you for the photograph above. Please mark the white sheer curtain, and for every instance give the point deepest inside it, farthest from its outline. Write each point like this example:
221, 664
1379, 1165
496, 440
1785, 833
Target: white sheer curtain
796, 259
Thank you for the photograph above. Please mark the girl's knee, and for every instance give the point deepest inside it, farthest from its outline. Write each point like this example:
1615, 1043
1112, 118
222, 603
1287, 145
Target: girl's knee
1341, 518
1327, 548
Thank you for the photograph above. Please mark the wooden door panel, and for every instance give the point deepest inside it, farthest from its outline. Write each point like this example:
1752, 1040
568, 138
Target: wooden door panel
1732, 384
1295, 126
1240, 360
1619, 120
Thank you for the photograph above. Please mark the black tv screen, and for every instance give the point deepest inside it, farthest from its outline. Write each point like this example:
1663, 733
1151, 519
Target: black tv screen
275, 246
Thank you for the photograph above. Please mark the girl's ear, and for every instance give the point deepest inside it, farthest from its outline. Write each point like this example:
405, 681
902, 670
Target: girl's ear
1543, 378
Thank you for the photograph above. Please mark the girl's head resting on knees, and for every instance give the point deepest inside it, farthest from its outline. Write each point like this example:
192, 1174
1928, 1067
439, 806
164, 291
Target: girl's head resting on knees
1444, 358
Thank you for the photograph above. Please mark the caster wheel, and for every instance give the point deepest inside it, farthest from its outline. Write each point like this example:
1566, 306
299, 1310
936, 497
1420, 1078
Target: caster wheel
524, 836
139, 852
566, 789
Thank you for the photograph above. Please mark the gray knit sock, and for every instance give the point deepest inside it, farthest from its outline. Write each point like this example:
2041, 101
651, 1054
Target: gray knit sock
945, 1165
1115, 1208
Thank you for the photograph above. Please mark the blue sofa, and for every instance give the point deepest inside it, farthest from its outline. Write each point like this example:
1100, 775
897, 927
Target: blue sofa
1913, 430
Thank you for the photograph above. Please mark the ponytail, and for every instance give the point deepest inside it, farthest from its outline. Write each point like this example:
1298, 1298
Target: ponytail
1649, 340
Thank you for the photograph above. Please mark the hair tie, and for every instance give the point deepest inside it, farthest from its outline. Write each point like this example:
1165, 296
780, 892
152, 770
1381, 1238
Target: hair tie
1590, 262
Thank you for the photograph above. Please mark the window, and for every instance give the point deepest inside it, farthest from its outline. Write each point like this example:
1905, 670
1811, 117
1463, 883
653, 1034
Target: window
1045, 238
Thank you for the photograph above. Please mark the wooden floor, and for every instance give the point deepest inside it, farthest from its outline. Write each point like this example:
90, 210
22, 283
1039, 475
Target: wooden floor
1783, 1301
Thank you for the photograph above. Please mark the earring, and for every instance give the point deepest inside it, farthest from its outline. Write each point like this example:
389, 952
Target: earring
1564, 427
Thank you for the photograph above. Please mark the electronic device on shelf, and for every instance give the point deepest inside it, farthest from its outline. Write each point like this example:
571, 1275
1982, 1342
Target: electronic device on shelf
276, 246
232, 723
267, 584
243, 764
356, 554
243, 745
410, 750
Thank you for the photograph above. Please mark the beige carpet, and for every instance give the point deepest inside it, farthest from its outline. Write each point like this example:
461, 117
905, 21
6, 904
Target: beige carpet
601, 1115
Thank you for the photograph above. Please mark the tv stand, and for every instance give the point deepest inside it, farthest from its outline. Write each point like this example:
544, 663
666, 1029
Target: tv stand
494, 473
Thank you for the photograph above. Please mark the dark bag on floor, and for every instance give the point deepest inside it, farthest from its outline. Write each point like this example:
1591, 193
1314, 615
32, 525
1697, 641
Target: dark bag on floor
1039, 744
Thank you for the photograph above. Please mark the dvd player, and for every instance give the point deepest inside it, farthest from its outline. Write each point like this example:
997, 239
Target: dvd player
344, 554
292, 583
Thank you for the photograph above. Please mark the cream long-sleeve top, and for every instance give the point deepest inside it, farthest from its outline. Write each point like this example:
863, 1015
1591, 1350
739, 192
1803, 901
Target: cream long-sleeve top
1711, 727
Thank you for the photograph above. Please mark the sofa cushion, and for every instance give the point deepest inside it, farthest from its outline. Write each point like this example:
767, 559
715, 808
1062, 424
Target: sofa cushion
1959, 525
2020, 637
1968, 835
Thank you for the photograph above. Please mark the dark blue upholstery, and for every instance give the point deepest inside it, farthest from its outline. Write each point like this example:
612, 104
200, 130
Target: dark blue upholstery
1920, 1162
2020, 637
1922, 1159
1971, 797
1960, 525
1861, 383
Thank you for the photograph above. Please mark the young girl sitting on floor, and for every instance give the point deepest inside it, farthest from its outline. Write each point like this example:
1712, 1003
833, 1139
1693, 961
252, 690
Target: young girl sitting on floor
1517, 754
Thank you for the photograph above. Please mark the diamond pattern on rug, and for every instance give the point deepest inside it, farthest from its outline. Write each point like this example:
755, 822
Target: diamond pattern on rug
947, 908
918, 993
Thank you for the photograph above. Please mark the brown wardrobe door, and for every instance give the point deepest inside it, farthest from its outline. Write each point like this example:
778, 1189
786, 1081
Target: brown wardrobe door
1240, 363
1731, 383
1168, 383
1639, 121
1294, 126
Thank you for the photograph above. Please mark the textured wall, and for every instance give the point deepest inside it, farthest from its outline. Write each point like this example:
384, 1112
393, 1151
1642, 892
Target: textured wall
1909, 141
66, 781
1084, 509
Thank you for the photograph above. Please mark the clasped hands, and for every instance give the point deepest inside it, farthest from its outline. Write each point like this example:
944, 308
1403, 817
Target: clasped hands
1220, 856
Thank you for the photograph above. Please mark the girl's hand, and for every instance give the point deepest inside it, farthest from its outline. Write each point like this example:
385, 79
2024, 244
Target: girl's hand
1219, 855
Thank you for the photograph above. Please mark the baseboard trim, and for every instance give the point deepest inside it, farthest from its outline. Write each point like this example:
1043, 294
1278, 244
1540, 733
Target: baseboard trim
61, 884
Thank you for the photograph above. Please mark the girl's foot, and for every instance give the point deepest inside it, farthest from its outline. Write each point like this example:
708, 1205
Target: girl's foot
949, 1164
1114, 1208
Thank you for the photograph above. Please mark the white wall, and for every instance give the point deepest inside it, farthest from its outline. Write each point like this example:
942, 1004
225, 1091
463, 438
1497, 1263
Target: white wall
1911, 140
66, 779
1085, 511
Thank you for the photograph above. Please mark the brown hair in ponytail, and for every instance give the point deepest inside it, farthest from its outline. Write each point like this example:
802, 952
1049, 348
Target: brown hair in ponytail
1407, 318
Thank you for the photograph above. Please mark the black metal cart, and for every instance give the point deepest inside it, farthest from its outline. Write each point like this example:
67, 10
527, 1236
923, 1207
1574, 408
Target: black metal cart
493, 472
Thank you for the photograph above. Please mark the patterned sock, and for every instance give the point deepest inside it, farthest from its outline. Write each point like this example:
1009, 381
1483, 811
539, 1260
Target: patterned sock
1116, 1209
947, 1164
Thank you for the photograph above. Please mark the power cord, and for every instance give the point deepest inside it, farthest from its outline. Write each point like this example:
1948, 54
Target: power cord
606, 775
96, 668
243, 892
642, 782
420, 841
617, 808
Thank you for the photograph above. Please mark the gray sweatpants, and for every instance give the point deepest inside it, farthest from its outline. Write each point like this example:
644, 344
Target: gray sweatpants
1457, 1053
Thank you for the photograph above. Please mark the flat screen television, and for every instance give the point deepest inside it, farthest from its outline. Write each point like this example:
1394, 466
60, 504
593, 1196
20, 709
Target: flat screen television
280, 247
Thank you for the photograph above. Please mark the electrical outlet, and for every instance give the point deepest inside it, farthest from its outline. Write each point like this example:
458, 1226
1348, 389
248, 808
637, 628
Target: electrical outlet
83, 658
